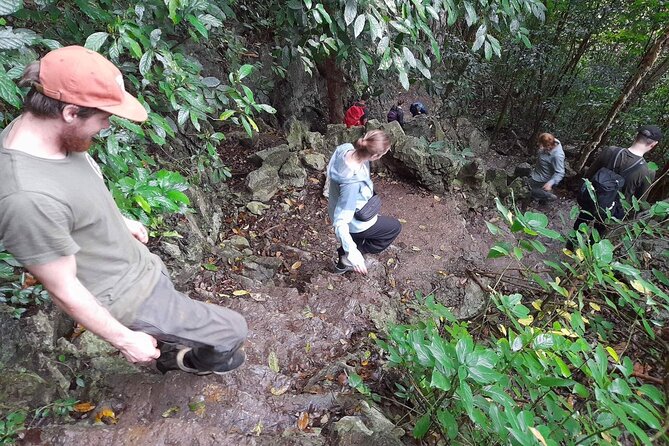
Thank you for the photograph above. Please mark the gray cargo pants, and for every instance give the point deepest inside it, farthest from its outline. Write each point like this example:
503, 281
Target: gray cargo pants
213, 332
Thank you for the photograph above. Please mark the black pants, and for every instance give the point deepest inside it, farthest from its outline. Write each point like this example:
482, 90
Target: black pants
378, 237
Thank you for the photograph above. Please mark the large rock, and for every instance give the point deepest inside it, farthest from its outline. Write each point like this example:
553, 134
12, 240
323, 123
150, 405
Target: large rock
274, 156
371, 428
314, 161
392, 129
432, 169
338, 134
292, 171
297, 134
314, 141
263, 183
425, 126
472, 137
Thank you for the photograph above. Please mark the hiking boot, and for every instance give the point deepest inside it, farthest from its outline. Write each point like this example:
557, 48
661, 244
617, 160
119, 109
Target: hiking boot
173, 357
235, 361
343, 265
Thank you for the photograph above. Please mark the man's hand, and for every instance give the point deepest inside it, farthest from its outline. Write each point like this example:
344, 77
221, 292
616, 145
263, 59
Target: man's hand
137, 230
138, 347
547, 187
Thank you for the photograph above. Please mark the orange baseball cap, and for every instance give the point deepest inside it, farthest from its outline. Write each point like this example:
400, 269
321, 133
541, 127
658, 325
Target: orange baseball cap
80, 76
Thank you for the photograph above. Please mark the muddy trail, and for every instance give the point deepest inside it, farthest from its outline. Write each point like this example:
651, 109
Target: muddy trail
306, 332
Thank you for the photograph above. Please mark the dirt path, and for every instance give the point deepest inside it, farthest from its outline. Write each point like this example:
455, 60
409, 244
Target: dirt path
304, 333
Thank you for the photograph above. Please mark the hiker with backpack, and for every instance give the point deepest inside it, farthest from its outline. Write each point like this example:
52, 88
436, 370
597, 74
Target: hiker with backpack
396, 113
549, 169
354, 206
617, 170
356, 115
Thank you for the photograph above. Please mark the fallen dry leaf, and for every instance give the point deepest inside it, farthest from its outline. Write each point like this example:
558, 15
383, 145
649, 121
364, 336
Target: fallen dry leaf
106, 416
239, 292
171, 411
84, 407
280, 391
303, 421
296, 265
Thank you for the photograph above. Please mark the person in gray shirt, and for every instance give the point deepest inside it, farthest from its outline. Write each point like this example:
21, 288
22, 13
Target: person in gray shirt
549, 169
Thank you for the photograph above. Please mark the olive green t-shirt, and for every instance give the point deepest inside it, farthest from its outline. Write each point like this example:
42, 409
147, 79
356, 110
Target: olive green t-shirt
51, 208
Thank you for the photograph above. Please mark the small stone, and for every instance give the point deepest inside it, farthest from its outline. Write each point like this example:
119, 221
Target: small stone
256, 207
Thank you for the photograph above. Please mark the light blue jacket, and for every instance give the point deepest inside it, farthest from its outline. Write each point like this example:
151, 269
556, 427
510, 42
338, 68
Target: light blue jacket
550, 165
349, 190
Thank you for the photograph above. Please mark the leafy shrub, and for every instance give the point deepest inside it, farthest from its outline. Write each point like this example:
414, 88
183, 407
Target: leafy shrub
18, 291
548, 372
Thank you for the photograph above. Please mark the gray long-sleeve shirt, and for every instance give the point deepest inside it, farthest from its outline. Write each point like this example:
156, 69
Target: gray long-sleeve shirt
550, 165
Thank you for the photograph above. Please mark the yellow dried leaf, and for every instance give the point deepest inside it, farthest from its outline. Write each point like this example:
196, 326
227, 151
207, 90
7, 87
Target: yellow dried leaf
613, 353
296, 265
537, 304
171, 411
437, 198
273, 362
239, 292
580, 255
557, 281
415, 248
106, 416
637, 285
538, 436
303, 421
372, 335
422, 227
401, 220
436, 256
280, 391
526, 320
594, 306
502, 328
83, 407
567, 252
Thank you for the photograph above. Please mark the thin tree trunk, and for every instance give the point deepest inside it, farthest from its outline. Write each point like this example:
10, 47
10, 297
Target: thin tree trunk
645, 66
334, 78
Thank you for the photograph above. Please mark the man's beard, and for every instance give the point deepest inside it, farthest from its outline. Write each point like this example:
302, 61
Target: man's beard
72, 142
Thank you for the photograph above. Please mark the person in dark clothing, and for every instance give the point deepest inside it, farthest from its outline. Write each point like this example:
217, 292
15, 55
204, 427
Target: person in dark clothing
396, 113
417, 108
637, 181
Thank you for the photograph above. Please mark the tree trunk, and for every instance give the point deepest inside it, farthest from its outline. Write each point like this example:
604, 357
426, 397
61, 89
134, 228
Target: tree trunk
334, 78
645, 66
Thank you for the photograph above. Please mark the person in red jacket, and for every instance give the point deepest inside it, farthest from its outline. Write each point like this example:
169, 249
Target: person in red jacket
356, 114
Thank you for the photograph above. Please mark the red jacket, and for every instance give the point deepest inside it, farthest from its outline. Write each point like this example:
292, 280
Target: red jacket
355, 115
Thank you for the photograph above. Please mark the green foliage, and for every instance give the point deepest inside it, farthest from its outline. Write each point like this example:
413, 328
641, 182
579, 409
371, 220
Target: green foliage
15, 290
11, 425
533, 383
390, 35
548, 371
146, 40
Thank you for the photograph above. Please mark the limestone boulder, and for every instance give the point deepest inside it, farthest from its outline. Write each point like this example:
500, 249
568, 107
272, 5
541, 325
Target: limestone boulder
272, 157
314, 161
263, 183
292, 172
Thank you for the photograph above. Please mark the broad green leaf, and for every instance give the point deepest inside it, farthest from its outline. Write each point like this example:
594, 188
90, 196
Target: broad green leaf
359, 25
8, 7
350, 11
447, 421
422, 426
404, 80
363, 72
96, 40
440, 381
9, 92
199, 27
145, 62
244, 71
409, 57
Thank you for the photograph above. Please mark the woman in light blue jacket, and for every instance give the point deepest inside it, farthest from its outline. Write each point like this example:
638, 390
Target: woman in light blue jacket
350, 190
549, 169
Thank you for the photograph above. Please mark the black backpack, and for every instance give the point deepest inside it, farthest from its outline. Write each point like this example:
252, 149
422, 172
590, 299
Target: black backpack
607, 184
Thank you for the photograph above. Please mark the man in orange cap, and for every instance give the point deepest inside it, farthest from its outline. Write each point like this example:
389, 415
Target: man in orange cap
58, 219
